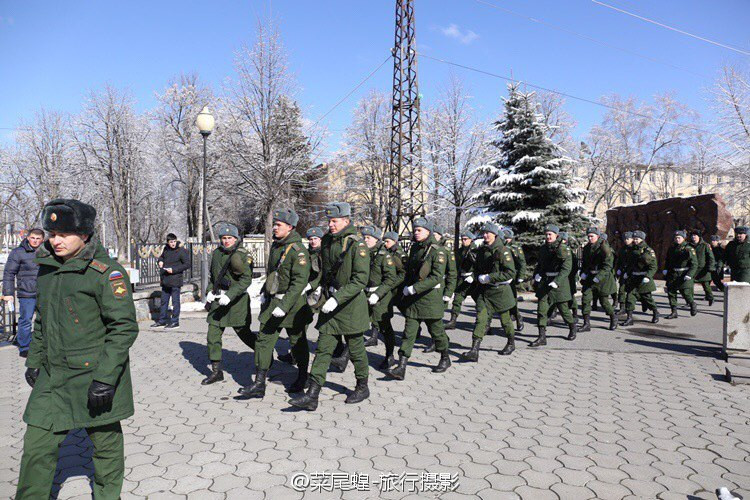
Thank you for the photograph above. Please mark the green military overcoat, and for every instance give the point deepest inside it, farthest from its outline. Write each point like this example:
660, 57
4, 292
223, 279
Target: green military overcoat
519, 260
640, 263
425, 270
737, 257
451, 276
85, 324
238, 277
495, 260
554, 265
597, 263
681, 262
382, 282
706, 262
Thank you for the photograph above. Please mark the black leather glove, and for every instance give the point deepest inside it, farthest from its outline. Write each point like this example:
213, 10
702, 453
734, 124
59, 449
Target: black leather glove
100, 395
31, 375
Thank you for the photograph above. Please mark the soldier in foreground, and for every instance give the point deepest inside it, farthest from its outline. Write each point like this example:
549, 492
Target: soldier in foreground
231, 274
597, 278
706, 264
282, 304
681, 266
737, 255
638, 275
519, 261
78, 362
494, 273
451, 275
552, 285
465, 259
346, 266
423, 297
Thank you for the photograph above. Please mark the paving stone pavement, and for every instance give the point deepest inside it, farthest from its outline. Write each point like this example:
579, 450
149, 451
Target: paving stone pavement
639, 413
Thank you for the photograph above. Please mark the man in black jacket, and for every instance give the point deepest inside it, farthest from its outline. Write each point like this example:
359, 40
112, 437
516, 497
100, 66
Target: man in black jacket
19, 278
174, 261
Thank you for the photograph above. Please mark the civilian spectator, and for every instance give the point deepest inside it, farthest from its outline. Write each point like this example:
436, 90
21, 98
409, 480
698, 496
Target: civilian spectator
174, 261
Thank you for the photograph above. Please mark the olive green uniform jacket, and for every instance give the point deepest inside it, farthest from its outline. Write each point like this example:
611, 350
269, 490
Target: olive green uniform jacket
425, 270
640, 263
737, 256
348, 285
84, 327
238, 277
496, 260
597, 262
399, 258
451, 277
555, 264
382, 281
681, 262
519, 260
288, 272
706, 262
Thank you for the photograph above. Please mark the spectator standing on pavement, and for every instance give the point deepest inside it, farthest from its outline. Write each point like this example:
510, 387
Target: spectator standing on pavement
19, 278
174, 261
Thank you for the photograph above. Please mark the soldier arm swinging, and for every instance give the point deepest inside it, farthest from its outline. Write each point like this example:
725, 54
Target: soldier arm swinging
389, 277
504, 269
437, 272
360, 258
299, 275
38, 349
239, 267
566, 267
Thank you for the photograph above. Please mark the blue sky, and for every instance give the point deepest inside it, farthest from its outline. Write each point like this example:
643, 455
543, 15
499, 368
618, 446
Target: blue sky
54, 52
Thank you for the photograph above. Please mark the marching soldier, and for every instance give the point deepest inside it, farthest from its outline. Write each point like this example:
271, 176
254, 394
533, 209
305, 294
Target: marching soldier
681, 266
717, 274
381, 283
575, 254
737, 255
398, 255
494, 273
78, 360
231, 274
282, 304
597, 278
465, 259
451, 277
706, 264
423, 297
638, 274
346, 266
519, 262
621, 261
552, 285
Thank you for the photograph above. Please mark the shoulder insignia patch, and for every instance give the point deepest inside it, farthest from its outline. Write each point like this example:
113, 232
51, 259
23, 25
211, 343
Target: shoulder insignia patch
301, 259
441, 257
119, 290
362, 252
453, 257
115, 275
99, 266
249, 260
389, 261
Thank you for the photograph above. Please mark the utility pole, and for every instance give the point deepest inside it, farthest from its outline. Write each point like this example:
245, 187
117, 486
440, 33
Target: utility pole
406, 197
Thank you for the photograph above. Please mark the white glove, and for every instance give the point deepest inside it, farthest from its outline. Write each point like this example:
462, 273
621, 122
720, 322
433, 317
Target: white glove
584, 275
553, 285
687, 278
224, 300
519, 280
306, 289
329, 306
596, 280
538, 278
210, 297
373, 299
664, 272
619, 272
278, 312
625, 275
263, 298
646, 280
484, 278
409, 290
446, 298
469, 279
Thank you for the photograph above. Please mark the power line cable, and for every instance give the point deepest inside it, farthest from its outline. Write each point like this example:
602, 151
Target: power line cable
671, 28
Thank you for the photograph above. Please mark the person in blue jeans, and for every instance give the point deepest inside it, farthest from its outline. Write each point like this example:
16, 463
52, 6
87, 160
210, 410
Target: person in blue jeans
174, 261
19, 279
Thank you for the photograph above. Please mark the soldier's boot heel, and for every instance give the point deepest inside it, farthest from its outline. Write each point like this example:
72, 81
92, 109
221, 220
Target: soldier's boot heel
586, 326
216, 375
309, 400
655, 316
387, 362
451, 324
628, 320
572, 330
373, 340
339, 364
519, 323
300, 384
673, 314
257, 389
473, 353
710, 299
430, 348
541, 339
360, 392
444, 363
509, 347
693, 308
613, 322
398, 372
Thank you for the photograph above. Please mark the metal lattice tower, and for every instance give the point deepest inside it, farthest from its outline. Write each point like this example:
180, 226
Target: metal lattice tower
407, 194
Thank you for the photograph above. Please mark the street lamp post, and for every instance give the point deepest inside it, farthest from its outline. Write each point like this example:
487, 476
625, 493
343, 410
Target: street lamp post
205, 123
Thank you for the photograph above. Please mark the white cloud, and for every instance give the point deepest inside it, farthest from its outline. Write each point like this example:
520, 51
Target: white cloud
454, 31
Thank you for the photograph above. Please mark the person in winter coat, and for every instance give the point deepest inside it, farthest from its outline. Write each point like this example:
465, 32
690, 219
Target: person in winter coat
19, 278
174, 261
706, 264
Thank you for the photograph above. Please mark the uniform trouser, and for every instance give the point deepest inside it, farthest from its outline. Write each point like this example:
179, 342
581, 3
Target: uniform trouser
706, 285
717, 278
267, 338
514, 310
324, 353
687, 294
591, 294
544, 307
389, 336
622, 294
646, 299
484, 317
573, 301
214, 339
40, 451
463, 290
434, 327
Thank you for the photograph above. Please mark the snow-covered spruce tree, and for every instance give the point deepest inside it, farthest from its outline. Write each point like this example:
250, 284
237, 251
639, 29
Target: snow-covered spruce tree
528, 185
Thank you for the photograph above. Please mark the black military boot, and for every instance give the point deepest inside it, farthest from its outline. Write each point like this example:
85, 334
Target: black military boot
613, 322
541, 339
573, 329
673, 314
710, 301
519, 323
655, 316
451, 324
300, 383
216, 375
586, 326
430, 348
373, 340
387, 362
360, 392
628, 320
644, 307
473, 353
693, 308
339, 364
399, 371
509, 347
257, 389
286, 358
444, 363
309, 400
